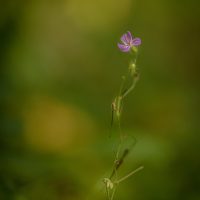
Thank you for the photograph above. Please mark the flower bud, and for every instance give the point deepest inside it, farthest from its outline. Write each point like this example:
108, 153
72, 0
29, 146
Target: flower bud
108, 182
134, 49
132, 68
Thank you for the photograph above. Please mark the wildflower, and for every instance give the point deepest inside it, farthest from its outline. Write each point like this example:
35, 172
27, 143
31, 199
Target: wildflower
128, 42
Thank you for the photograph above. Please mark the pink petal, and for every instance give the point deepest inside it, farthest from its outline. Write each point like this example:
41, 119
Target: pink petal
124, 39
129, 36
124, 48
136, 42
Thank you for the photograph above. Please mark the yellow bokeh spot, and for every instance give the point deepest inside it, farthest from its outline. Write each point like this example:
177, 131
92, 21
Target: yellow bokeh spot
52, 126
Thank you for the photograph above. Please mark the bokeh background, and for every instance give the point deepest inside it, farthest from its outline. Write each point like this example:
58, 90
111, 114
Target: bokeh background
61, 69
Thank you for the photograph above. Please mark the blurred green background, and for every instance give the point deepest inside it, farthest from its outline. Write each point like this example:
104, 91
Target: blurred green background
61, 69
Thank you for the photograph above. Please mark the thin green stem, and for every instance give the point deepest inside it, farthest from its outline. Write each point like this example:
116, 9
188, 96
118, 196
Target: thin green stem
135, 79
130, 174
113, 193
116, 107
107, 193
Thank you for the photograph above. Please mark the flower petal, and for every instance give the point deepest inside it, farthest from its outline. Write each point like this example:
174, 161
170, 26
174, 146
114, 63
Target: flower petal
124, 48
129, 36
124, 38
136, 42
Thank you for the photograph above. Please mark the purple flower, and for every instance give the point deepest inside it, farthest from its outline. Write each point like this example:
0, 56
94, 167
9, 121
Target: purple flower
128, 41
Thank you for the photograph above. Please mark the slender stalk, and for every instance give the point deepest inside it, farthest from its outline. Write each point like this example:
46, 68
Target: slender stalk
113, 193
130, 174
135, 79
128, 44
107, 193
